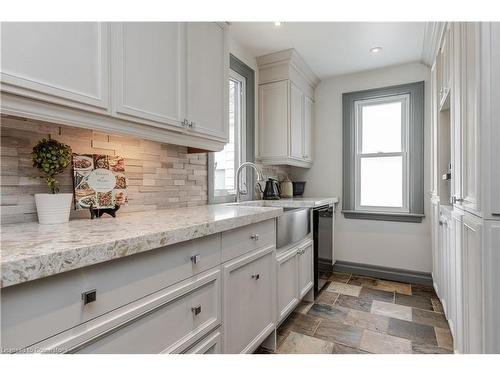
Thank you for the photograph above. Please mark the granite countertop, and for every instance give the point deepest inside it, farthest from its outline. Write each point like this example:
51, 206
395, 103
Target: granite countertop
32, 251
290, 202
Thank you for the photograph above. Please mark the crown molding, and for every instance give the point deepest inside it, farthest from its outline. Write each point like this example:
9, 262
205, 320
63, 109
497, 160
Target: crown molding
432, 38
291, 57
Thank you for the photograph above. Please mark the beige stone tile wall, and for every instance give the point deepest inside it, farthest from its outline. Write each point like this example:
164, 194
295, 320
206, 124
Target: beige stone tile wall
159, 175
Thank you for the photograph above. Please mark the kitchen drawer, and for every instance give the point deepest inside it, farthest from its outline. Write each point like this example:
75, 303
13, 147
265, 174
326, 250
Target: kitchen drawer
249, 300
239, 241
33, 311
168, 321
212, 344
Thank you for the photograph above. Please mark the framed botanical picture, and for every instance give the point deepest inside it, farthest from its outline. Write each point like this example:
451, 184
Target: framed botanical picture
99, 180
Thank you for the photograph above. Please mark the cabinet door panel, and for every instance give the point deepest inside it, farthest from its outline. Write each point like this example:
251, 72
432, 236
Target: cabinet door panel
305, 268
273, 119
472, 284
469, 92
60, 62
147, 71
288, 283
207, 79
308, 128
249, 300
296, 122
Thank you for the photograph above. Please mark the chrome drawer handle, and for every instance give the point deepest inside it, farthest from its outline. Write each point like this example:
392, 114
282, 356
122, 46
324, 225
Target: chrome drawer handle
254, 237
256, 276
195, 258
196, 310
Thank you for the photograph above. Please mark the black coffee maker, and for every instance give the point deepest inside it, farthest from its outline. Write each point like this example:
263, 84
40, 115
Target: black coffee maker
272, 190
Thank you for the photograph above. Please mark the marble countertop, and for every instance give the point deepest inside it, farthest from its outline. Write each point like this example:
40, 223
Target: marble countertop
32, 251
290, 202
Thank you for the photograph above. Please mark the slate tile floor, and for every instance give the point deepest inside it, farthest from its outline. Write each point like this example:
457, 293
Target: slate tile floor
360, 315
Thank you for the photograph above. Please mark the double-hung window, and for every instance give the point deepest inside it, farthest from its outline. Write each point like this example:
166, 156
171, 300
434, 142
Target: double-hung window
222, 165
383, 153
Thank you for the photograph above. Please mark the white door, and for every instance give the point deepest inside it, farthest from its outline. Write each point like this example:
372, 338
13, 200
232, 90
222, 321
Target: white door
206, 79
60, 62
296, 122
287, 286
249, 300
147, 71
472, 284
273, 119
306, 278
308, 127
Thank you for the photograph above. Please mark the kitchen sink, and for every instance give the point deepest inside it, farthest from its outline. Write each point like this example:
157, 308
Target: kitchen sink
292, 226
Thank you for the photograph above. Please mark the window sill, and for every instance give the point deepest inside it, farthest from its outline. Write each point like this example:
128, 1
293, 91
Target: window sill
384, 216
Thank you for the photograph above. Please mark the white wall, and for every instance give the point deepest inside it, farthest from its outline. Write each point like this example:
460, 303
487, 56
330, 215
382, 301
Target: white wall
390, 244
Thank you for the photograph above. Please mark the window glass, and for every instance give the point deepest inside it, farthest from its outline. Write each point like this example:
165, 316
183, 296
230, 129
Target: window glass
381, 128
381, 181
224, 160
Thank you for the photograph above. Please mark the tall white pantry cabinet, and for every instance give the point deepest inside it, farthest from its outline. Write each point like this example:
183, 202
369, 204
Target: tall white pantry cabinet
465, 194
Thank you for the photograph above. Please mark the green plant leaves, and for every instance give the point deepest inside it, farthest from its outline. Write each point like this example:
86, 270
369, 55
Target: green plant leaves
51, 158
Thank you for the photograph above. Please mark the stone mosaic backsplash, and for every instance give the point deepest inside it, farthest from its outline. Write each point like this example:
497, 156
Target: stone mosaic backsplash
159, 175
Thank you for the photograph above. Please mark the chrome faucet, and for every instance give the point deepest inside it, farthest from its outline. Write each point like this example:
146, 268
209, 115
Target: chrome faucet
240, 192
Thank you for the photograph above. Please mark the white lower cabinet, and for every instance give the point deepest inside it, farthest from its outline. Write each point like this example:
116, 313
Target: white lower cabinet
164, 323
212, 344
249, 300
305, 268
294, 276
287, 285
472, 284
198, 296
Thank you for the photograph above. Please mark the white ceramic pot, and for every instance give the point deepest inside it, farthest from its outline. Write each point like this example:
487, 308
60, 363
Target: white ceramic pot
53, 208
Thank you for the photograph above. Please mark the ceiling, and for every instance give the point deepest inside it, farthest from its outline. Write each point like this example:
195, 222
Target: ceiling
333, 48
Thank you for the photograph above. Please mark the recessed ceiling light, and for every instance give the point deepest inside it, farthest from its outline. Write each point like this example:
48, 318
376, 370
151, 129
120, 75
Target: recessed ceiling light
277, 23
375, 49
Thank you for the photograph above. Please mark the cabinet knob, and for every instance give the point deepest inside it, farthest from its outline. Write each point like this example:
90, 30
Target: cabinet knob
254, 236
192, 124
196, 309
256, 276
195, 258
185, 122
89, 296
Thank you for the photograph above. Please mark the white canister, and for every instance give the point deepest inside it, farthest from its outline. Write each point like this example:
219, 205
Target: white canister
286, 188
53, 208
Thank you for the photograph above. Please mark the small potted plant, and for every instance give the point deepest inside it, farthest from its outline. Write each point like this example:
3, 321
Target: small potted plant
52, 158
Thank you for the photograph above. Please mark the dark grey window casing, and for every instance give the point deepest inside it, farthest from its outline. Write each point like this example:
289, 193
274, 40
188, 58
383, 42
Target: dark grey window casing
415, 153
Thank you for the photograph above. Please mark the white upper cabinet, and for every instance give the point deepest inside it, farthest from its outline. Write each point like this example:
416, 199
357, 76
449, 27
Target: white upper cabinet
469, 116
207, 79
147, 68
286, 109
165, 81
273, 109
64, 62
308, 128
296, 122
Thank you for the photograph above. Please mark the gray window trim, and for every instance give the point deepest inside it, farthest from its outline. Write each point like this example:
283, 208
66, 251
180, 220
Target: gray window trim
248, 73
415, 153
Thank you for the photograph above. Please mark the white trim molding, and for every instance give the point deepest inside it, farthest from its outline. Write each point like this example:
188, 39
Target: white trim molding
432, 38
